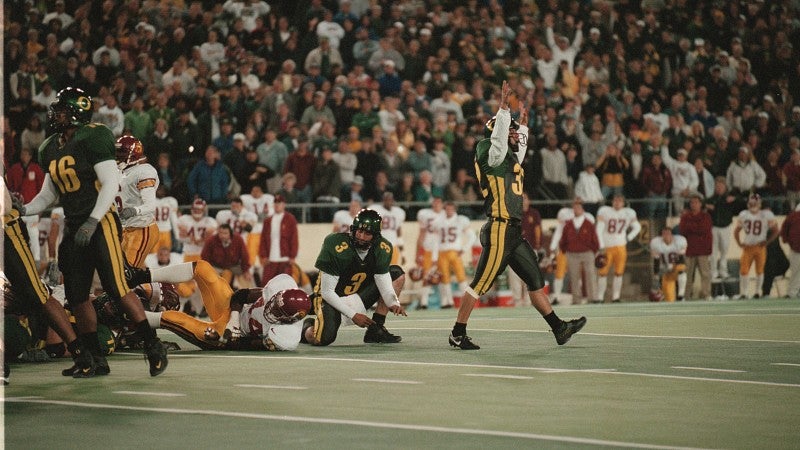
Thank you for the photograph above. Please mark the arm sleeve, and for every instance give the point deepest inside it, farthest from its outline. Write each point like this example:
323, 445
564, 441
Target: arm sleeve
384, 283
108, 176
636, 227
328, 291
551, 41
556, 238
148, 200
43, 199
499, 139
523, 143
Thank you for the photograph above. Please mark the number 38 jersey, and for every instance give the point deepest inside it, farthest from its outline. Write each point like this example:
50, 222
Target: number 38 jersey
71, 168
338, 257
755, 225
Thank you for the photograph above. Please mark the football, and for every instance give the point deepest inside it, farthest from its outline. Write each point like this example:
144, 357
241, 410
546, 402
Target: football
600, 260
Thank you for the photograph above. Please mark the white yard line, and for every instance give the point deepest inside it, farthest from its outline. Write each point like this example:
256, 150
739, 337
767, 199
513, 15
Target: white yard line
709, 369
386, 380
496, 375
785, 364
488, 366
151, 394
271, 386
357, 423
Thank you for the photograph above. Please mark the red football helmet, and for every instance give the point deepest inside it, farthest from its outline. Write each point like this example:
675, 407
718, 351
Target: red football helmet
600, 260
287, 306
129, 152
656, 295
198, 208
158, 296
433, 277
416, 273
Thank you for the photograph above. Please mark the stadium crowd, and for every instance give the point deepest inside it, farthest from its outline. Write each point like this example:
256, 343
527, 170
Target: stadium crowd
326, 101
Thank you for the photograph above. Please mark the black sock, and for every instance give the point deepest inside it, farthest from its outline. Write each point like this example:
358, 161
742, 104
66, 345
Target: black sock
460, 329
55, 350
144, 331
379, 319
74, 346
553, 320
91, 343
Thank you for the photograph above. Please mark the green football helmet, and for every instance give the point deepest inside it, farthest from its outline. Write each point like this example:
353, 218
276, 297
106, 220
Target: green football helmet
76, 107
367, 220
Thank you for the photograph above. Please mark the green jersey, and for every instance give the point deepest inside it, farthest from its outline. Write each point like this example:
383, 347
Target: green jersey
71, 167
501, 186
338, 257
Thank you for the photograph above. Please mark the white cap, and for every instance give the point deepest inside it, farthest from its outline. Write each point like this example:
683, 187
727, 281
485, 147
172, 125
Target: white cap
763, 115
768, 98
594, 30
698, 42
238, 137
358, 179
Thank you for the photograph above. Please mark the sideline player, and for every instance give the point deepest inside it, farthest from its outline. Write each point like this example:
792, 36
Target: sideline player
669, 264
83, 175
166, 214
760, 229
617, 225
452, 229
136, 201
343, 218
497, 161
391, 227
193, 229
354, 275
427, 244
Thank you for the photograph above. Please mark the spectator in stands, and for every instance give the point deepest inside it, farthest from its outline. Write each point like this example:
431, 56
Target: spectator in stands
111, 115
684, 177
790, 233
137, 121
272, 153
209, 178
696, 226
554, 168
791, 177
774, 188
745, 174
301, 163
611, 166
33, 135
588, 189
657, 183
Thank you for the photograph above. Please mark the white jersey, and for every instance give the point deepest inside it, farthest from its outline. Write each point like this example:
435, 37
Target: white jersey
43, 232
426, 219
342, 220
392, 221
238, 222
262, 207
193, 233
668, 253
755, 226
254, 323
138, 190
151, 260
564, 215
451, 231
614, 225
166, 213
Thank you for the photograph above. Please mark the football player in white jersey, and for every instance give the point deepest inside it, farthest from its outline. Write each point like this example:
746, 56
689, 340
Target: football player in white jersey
166, 215
262, 205
248, 319
617, 225
393, 218
343, 218
193, 230
760, 229
454, 236
669, 264
163, 257
136, 201
427, 243
564, 215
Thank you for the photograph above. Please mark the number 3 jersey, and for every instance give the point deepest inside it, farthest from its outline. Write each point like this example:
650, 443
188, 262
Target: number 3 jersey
71, 168
755, 225
338, 257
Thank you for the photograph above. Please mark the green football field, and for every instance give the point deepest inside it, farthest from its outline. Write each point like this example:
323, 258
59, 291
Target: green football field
641, 375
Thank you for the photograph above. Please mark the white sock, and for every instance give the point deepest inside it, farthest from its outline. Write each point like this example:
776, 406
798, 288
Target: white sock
153, 318
602, 282
616, 287
760, 284
743, 282
445, 294
681, 284
424, 292
558, 286
173, 274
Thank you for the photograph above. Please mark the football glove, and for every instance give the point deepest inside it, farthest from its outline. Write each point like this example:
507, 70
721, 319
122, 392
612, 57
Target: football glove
127, 213
84, 234
53, 274
18, 203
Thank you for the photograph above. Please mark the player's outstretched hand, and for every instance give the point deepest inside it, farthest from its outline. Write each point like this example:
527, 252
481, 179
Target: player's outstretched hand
505, 93
362, 320
398, 310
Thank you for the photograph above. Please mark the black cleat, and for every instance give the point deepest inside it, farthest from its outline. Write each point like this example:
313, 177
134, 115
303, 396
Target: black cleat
101, 365
83, 367
136, 276
156, 355
462, 342
378, 334
568, 328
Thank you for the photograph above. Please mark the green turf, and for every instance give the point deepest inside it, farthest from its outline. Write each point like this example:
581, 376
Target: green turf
632, 378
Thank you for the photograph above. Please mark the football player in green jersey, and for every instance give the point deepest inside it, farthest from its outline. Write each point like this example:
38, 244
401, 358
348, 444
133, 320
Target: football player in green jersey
81, 172
497, 163
354, 274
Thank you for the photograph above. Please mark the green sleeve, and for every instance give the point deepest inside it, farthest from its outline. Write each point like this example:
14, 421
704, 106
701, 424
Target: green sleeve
383, 256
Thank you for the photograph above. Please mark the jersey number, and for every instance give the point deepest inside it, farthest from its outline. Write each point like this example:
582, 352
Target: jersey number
752, 227
64, 175
616, 226
357, 281
516, 186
